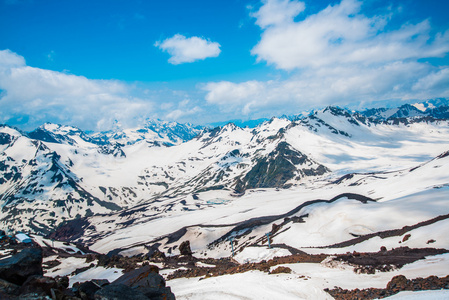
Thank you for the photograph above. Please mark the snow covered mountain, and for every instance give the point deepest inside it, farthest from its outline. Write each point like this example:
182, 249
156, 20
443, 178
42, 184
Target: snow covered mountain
436, 109
334, 185
154, 131
57, 173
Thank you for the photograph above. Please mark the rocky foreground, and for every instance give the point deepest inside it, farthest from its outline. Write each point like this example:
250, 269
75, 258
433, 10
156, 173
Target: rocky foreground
22, 274
22, 277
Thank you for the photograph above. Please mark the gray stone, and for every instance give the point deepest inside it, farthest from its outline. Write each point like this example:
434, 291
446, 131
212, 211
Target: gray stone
19, 267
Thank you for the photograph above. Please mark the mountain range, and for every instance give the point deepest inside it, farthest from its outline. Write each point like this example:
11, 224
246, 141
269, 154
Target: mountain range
58, 173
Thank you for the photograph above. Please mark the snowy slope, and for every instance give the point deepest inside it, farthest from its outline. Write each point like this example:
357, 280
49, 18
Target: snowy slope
402, 198
168, 167
334, 181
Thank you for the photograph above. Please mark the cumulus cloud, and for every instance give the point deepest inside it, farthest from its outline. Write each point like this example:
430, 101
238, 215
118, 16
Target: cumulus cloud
277, 12
33, 96
336, 57
10, 59
177, 114
232, 95
341, 34
182, 111
186, 50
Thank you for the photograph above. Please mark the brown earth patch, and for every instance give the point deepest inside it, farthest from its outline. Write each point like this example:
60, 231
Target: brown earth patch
397, 284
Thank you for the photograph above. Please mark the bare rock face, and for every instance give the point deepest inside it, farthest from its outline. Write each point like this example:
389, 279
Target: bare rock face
147, 281
147, 276
8, 289
398, 283
37, 282
119, 291
85, 290
18, 268
184, 248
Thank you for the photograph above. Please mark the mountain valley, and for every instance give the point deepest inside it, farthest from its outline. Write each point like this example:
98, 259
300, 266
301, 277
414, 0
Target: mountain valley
332, 182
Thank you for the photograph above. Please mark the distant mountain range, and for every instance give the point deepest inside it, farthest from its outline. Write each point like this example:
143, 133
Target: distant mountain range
58, 173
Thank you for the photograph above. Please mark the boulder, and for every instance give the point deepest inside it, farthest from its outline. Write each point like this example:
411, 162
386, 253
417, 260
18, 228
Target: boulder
103, 260
147, 281
397, 283
147, 276
119, 292
100, 282
8, 288
184, 248
39, 285
63, 282
19, 267
85, 290
158, 255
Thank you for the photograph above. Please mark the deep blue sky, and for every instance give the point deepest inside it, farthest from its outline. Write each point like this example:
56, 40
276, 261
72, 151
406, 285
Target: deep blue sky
115, 39
259, 62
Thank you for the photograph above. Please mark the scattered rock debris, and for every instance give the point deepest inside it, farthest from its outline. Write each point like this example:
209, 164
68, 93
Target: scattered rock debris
397, 284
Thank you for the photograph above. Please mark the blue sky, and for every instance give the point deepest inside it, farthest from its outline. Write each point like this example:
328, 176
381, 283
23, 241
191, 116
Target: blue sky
90, 63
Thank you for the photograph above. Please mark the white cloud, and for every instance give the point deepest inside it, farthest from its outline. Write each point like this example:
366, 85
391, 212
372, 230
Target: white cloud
330, 86
336, 57
177, 114
436, 83
232, 93
185, 50
340, 34
10, 59
39, 96
277, 12
184, 110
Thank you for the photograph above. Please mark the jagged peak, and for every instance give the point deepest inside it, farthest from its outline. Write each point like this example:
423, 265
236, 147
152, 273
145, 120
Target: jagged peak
230, 126
11, 130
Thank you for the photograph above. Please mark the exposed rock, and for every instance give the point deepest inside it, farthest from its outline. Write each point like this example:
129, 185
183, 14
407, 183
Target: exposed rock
278, 167
275, 228
39, 285
388, 260
32, 296
85, 290
147, 281
281, 269
101, 282
406, 237
8, 288
19, 267
158, 255
118, 261
184, 248
103, 260
51, 264
63, 281
83, 269
397, 284
225, 266
155, 254
119, 292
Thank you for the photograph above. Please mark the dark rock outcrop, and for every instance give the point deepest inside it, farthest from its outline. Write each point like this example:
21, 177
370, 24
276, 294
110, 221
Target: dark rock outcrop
39, 285
147, 281
8, 288
397, 284
119, 292
85, 290
184, 248
278, 167
19, 267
